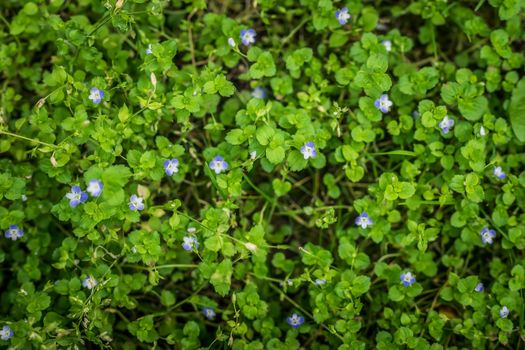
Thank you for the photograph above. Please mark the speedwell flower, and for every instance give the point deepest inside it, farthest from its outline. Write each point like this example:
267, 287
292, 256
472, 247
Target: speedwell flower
231, 42
171, 166
14, 232
259, 93
189, 243
76, 196
248, 36
479, 287
96, 95
320, 282
342, 15
149, 50
487, 235
363, 220
407, 279
6, 333
295, 320
308, 150
218, 164
136, 202
89, 282
387, 44
504, 312
95, 187
446, 124
383, 104
499, 173
208, 312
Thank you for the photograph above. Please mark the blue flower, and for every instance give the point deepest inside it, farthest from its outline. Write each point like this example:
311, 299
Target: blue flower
189, 243
320, 282
407, 279
295, 320
259, 92
504, 312
136, 202
499, 173
446, 124
218, 164
149, 50
342, 15
14, 232
487, 235
208, 312
89, 282
479, 287
76, 196
308, 150
387, 44
363, 220
95, 187
248, 36
6, 333
383, 104
171, 166
96, 95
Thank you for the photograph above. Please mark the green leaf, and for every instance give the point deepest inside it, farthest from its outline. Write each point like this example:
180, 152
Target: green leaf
221, 278
517, 110
474, 108
264, 67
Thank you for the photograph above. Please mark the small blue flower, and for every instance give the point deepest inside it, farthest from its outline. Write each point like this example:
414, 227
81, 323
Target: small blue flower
446, 124
76, 196
96, 95
499, 173
342, 15
208, 312
407, 279
387, 44
14, 232
259, 93
149, 50
383, 104
95, 187
295, 320
248, 36
171, 166
89, 282
231, 42
308, 150
487, 235
287, 282
189, 243
6, 333
320, 282
218, 164
363, 220
479, 287
504, 312
136, 202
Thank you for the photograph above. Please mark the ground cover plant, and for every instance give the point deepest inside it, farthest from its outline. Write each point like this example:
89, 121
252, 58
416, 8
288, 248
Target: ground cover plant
266, 174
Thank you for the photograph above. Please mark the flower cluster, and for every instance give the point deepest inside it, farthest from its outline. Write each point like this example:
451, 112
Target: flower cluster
77, 196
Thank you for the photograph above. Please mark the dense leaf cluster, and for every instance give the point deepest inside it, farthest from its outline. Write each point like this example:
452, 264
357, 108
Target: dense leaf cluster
340, 183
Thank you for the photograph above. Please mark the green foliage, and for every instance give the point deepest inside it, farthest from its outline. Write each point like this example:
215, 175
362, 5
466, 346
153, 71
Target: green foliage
253, 162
